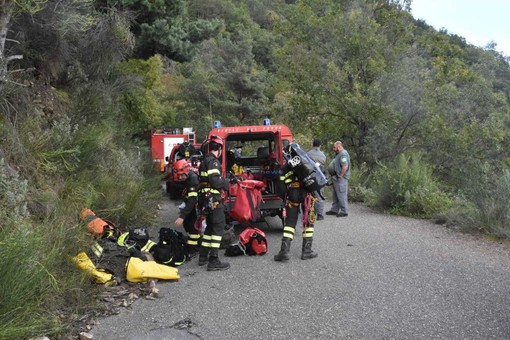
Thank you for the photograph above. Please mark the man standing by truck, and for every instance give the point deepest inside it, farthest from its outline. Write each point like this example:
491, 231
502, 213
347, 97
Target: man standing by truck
211, 204
319, 158
340, 171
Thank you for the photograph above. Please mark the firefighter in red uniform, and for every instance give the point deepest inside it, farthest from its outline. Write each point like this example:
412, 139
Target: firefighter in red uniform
188, 214
211, 204
297, 198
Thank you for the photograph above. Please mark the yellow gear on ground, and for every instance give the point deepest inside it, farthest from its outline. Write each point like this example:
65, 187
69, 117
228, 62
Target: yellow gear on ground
138, 270
83, 262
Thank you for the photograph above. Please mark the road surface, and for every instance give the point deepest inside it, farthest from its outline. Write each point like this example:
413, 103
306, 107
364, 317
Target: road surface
376, 277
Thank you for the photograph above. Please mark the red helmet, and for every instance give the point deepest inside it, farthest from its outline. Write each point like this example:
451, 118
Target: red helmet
180, 167
216, 139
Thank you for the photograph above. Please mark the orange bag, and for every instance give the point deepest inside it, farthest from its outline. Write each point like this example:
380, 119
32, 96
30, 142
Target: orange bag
95, 225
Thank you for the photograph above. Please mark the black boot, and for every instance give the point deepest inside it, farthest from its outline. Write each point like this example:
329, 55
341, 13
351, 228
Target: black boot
307, 252
192, 251
283, 255
203, 258
215, 263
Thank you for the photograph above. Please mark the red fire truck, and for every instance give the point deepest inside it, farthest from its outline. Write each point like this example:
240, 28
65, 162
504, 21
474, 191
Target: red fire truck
163, 141
185, 150
256, 152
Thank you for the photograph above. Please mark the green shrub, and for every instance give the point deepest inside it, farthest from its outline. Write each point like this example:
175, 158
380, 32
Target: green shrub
26, 282
486, 206
114, 179
359, 190
407, 187
63, 171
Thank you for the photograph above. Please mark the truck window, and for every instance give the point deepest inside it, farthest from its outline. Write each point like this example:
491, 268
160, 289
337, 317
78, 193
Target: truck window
248, 153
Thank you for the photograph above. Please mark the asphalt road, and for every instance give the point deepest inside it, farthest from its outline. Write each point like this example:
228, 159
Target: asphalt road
376, 277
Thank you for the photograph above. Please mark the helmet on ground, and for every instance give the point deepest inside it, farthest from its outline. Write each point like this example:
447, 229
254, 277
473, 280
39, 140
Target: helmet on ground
180, 167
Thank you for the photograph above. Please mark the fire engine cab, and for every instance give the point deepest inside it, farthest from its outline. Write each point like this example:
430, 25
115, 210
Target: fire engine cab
163, 141
189, 152
256, 152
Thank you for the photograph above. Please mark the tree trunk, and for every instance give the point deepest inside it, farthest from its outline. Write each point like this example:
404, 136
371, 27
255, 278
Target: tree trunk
6, 7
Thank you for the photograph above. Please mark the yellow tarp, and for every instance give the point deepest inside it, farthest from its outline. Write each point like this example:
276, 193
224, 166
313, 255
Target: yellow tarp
142, 271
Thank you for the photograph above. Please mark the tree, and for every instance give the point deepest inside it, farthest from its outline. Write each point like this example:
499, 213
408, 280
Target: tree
225, 83
335, 56
8, 10
167, 28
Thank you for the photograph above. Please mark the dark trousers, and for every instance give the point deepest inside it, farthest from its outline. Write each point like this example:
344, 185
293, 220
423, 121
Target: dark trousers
215, 228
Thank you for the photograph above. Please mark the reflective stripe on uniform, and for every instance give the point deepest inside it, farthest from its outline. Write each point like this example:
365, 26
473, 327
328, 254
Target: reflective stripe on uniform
192, 194
289, 232
193, 239
211, 190
97, 249
213, 171
308, 232
122, 239
206, 241
215, 241
148, 245
287, 177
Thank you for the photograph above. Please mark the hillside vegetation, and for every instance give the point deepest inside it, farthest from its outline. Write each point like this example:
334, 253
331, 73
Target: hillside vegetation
424, 115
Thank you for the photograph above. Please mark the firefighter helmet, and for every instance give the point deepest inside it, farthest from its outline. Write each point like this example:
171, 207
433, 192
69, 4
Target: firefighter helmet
216, 139
180, 167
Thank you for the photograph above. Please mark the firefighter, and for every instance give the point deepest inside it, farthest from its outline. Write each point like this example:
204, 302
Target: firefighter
210, 201
188, 214
297, 199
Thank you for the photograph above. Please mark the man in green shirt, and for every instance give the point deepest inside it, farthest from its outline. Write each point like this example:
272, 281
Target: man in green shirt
340, 171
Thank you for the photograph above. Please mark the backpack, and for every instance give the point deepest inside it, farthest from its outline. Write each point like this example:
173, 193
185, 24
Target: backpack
305, 168
252, 241
98, 227
171, 248
248, 199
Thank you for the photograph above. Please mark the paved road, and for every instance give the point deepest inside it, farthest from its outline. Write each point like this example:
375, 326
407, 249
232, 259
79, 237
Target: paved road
376, 277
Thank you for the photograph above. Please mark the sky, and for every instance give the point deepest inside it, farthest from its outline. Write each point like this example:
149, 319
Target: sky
479, 22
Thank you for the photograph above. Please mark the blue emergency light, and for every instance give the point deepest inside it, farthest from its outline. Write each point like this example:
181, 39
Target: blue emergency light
266, 121
217, 124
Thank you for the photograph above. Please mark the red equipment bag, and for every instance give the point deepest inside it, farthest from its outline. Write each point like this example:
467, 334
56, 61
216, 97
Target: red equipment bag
255, 241
248, 199
252, 241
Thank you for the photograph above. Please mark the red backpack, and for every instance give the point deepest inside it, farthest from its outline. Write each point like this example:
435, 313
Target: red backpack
248, 198
252, 241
